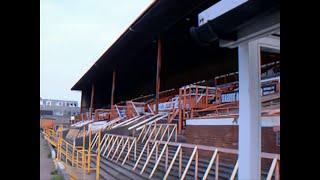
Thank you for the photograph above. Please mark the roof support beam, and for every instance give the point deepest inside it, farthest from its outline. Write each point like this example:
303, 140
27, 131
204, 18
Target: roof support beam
158, 74
81, 101
91, 100
113, 86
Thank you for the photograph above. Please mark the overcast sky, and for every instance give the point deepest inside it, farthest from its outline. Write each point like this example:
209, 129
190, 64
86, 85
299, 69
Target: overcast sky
74, 34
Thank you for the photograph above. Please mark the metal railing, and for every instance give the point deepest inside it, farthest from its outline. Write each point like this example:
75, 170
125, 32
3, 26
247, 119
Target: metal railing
154, 138
113, 146
274, 169
158, 130
155, 131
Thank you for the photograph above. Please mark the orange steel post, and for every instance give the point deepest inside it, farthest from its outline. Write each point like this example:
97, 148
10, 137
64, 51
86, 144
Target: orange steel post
83, 147
158, 75
89, 150
207, 93
60, 140
277, 171
81, 101
73, 150
91, 101
184, 106
113, 87
180, 115
190, 99
98, 157
196, 93
66, 153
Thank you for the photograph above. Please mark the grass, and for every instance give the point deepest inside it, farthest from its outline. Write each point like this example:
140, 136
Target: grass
54, 172
55, 175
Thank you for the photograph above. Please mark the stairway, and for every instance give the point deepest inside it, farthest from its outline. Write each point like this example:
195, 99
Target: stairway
225, 170
112, 169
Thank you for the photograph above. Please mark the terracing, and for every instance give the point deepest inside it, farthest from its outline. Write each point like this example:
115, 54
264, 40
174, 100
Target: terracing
153, 153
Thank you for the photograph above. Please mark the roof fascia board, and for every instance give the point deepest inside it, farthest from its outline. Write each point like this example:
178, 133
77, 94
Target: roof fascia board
256, 28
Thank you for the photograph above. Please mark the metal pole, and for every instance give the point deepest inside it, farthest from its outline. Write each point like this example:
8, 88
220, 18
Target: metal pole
158, 75
83, 147
81, 103
113, 86
98, 158
89, 150
91, 100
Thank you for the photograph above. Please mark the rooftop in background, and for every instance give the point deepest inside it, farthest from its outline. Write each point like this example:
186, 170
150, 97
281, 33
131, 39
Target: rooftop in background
58, 103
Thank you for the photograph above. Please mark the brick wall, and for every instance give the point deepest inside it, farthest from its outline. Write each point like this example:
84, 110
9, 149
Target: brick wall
227, 136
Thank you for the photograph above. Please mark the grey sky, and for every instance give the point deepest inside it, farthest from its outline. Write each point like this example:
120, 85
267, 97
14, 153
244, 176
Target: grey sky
74, 34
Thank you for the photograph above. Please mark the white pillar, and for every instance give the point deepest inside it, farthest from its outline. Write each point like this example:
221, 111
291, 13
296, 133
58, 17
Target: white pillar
249, 111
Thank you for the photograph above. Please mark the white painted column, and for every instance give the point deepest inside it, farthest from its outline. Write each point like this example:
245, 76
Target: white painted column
249, 112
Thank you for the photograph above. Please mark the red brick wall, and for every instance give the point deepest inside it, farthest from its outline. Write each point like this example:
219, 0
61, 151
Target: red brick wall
227, 136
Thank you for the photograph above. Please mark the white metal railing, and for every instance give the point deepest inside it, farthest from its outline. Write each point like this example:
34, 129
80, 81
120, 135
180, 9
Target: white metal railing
113, 147
273, 170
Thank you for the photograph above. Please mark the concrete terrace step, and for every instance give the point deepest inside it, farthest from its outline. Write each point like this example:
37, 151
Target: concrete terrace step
117, 171
111, 169
224, 171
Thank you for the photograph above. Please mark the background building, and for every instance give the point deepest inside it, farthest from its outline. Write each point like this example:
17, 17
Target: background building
59, 110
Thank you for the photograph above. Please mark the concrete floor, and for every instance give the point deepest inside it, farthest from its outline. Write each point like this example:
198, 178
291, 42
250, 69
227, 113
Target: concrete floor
46, 163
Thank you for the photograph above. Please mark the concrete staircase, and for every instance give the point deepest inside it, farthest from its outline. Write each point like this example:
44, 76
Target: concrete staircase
112, 170
225, 170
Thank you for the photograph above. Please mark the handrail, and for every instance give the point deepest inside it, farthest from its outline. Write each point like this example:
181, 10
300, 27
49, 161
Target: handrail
98, 157
144, 121
174, 114
235, 169
165, 147
210, 165
134, 107
195, 152
150, 109
164, 133
103, 142
160, 129
123, 147
105, 150
143, 129
134, 120
143, 149
126, 121
119, 115
129, 150
155, 137
221, 150
114, 142
94, 140
117, 137
153, 121
148, 158
172, 162
272, 168
119, 143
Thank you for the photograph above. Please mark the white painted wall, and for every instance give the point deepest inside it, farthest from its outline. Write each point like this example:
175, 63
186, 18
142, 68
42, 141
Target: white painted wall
265, 121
